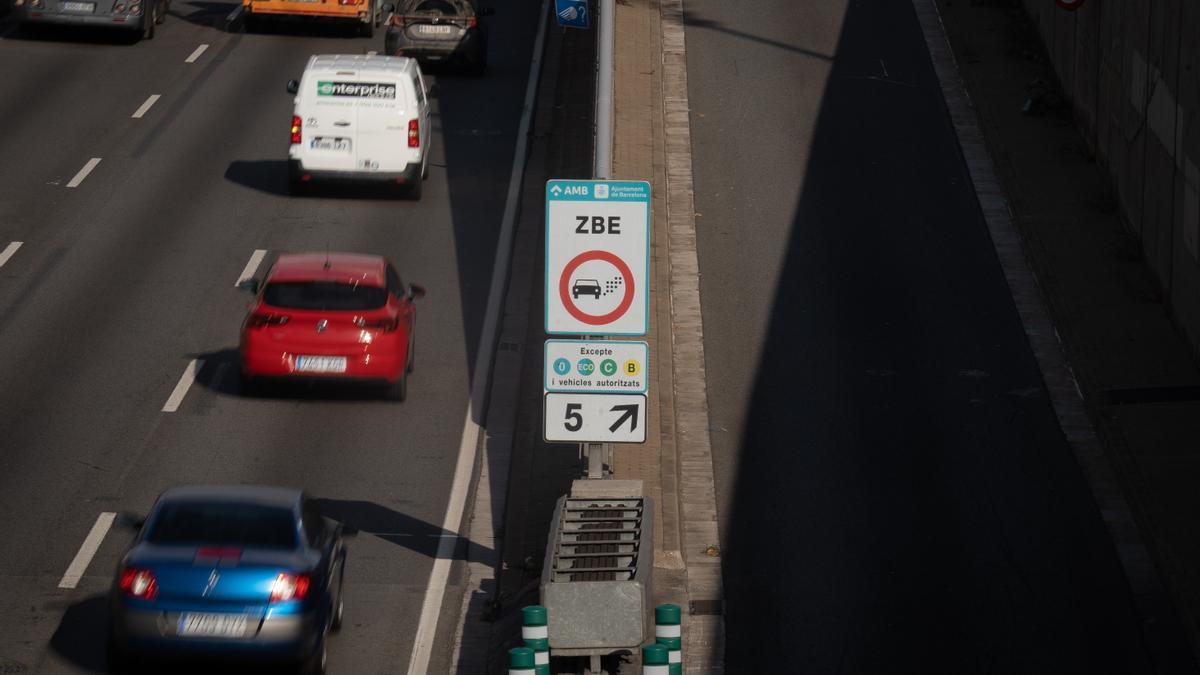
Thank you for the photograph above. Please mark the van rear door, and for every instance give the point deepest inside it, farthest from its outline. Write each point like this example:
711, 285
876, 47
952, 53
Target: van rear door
383, 128
328, 110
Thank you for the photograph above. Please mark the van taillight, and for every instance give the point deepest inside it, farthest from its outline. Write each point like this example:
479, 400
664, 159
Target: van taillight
472, 22
414, 134
295, 129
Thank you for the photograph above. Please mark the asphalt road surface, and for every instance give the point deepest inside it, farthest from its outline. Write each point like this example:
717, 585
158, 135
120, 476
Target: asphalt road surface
126, 274
894, 492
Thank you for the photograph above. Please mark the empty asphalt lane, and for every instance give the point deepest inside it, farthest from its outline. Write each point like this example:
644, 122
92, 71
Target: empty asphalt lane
137, 283
895, 494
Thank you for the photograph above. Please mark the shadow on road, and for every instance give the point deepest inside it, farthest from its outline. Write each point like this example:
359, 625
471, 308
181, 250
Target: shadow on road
394, 527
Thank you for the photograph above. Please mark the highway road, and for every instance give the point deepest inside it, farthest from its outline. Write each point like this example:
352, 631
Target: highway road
133, 230
894, 492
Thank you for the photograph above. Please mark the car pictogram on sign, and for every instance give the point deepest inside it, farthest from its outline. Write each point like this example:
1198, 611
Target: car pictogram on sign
585, 287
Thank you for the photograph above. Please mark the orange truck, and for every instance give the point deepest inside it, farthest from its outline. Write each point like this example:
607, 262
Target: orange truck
365, 13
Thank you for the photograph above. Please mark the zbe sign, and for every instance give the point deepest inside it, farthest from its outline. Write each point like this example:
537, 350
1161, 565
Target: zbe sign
597, 257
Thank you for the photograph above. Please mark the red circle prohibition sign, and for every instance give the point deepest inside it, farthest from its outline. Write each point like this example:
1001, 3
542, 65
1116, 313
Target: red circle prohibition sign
564, 290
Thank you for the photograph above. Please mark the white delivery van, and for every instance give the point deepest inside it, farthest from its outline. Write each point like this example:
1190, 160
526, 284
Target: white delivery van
360, 118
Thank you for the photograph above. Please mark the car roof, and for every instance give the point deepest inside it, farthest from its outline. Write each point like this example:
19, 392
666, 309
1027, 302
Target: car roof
362, 63
350, 268
263, 495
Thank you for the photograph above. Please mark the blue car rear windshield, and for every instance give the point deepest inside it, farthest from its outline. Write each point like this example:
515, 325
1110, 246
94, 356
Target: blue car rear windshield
247, 525
324, 295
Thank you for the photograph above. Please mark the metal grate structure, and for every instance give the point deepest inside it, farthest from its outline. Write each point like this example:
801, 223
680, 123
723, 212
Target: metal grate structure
598, 540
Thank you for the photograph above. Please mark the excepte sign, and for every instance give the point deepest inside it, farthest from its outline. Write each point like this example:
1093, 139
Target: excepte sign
597, 257
598, 366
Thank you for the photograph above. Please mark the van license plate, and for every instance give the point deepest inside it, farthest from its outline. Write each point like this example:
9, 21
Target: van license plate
321, 364
434, 30
79, 6
331, 144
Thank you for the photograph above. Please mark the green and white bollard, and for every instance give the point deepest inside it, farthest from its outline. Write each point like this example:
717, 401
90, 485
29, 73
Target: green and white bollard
655, 660
537, 637
520, 661
667, 633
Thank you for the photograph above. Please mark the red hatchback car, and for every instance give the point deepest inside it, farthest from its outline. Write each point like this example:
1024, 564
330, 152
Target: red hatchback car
330, 316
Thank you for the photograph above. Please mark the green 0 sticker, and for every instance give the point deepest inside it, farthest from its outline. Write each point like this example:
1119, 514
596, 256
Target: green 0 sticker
608, 367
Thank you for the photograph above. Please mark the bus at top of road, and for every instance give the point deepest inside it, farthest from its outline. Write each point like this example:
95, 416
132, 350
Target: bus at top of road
366, 13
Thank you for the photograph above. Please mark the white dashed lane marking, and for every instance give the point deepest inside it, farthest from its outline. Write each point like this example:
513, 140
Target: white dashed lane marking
200, 50
145, 107
185, 383
90, 545
9, 251
83, 173
251, 266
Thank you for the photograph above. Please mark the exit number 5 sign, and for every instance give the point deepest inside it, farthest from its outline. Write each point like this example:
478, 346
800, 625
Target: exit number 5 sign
597, 257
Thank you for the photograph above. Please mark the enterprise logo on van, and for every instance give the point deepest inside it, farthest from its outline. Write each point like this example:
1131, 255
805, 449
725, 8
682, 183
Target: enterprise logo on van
357, 89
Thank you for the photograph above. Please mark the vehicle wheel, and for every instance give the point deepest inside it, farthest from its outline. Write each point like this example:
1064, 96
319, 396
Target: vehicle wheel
149, 21
251, 23
425, 168
414, 190
412, 348
367, 29
119, 660
252, 387
297, 187
315, 664
398, 391
340, 611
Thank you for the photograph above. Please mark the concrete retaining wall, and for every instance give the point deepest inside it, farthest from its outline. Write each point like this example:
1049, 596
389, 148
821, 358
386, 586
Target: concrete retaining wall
1132, 71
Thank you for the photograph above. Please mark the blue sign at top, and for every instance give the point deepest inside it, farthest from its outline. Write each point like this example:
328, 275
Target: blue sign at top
571, 13
599, 190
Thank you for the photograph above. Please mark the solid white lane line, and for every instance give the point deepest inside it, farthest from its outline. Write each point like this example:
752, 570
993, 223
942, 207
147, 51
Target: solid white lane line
185, 383
431, 608
83, 173
145, 107
196, 54
9, 251
90, 545
233, 16
251, 266
435, 591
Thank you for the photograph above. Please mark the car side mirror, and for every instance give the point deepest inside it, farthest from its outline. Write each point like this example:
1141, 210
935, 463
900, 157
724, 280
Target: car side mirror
250, 285
293, 86
487, 11
416, 291
129, 521
433, 91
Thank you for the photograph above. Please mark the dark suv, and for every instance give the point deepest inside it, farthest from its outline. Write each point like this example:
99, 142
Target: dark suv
438, 31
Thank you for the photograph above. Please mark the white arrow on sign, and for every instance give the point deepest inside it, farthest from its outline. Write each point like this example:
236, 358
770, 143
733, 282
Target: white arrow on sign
595, 418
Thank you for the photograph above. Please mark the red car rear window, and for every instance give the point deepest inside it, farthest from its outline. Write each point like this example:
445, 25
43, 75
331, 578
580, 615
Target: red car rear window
324, 295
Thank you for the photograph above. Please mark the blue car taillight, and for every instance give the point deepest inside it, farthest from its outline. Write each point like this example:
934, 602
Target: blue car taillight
138, 583
290, 587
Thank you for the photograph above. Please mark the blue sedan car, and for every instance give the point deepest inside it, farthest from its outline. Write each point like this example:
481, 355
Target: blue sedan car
241, 572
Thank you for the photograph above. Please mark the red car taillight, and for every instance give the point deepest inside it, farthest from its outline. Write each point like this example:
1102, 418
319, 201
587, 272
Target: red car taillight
290, 587
414, 134
385, 325
396, 20
138, 583
472, 22
257, 320
296, 126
